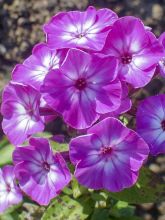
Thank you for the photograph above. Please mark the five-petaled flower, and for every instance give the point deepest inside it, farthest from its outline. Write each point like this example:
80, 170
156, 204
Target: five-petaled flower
150, 122
41, 174
109, 156
137, 50
86, 30
20, 110
41, 62
10, 193
84, 87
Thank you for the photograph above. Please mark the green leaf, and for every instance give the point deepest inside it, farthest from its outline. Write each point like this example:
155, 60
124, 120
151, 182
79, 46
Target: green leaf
77, 189
122, 209
4, 142
6, 154
100, 214
59, 147
64, 207
149, 188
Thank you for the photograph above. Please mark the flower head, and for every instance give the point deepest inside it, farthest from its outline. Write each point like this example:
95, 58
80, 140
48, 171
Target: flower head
136, 49
151, 123
41, 173
10, 194
38, 65
20, 110
109, 156
83, 88
87, 29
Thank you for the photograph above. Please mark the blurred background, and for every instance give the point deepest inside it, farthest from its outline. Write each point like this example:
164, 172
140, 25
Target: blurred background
21, 28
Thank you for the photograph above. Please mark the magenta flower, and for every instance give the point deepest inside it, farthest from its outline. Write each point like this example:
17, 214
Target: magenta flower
161, 66
87, 29
10, 194
125, 104
20, 110
41, 174
83, 88
38, 65
136, 50
151, 123
109, 156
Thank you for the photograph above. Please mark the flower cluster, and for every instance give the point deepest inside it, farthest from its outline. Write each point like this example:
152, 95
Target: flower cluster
83, 73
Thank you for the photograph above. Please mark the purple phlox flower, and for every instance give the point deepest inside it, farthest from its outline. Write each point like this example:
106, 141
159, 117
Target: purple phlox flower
137, 50
20, 110
83, 88
46, 111
109, 156
38, 65
151, 123
10, 193
125, 104
86, 29
161, 66
41, 174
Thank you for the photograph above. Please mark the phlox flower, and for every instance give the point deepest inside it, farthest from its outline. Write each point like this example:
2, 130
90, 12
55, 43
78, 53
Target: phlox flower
10, 194
84, 87
86, 29
161, 66
41, 62
150, 122
137, 50
20, 110
109, 156
41, 173
125, 104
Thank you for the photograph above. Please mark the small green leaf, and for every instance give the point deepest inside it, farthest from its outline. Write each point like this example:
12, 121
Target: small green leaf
64, 207
122, 209
6, 154
77, 189
100, 214
148, 189
59, 147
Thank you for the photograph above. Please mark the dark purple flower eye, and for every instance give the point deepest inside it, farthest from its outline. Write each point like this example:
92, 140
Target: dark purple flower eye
81, 83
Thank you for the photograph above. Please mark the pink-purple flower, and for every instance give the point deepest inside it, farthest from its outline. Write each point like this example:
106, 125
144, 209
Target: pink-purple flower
109, 156
41, 173
161, 66
20, 110
38, 65
83, 88
150, 122
10, 194
86, 29
137, 50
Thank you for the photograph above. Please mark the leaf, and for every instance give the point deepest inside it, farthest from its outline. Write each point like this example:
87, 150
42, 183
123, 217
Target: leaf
122, 209
100, 214
64, 207
4, 142
59, 147
6, 154
148, 189
77, 189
